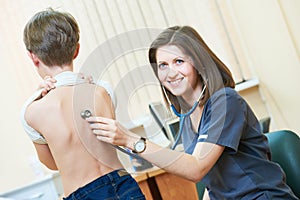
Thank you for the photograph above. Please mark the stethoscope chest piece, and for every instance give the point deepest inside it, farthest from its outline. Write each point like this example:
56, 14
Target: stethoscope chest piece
86, 114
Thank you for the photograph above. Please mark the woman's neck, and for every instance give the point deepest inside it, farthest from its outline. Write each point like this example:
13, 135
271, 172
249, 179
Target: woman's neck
194, 95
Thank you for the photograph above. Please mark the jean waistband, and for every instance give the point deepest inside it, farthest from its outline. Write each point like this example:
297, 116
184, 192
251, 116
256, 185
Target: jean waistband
116, 174
101, 181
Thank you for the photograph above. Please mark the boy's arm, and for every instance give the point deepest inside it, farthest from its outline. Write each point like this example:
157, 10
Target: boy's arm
45, 155
43, 150
104, 106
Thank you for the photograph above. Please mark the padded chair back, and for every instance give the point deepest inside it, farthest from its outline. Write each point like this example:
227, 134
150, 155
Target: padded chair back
265, 124
285, 150
200, 189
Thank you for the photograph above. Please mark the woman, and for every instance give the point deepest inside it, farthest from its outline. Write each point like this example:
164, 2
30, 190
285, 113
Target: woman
223, 144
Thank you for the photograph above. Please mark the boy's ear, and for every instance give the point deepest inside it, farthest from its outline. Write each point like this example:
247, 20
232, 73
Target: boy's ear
34, 58
76, 51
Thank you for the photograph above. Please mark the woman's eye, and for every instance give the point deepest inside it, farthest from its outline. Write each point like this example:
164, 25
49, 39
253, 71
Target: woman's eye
179, 61
162, 66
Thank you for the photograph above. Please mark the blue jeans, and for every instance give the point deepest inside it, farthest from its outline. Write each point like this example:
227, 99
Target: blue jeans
116, 185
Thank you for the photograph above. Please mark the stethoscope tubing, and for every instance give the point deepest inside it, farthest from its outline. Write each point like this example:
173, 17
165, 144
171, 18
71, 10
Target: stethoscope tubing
182, 116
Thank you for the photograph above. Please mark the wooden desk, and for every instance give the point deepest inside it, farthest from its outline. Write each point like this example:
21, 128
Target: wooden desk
162, 185
141, 178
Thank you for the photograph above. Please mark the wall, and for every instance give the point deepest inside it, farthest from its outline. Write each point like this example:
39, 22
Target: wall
270, 34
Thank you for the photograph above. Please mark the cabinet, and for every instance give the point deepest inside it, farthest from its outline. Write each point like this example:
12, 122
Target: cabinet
141, 179
47, 188
162, 185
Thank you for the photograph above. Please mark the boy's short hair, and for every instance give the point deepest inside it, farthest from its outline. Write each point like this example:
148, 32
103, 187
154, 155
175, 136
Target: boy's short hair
52, 36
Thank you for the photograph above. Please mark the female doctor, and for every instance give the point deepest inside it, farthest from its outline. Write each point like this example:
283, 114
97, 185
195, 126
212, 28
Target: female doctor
223, 143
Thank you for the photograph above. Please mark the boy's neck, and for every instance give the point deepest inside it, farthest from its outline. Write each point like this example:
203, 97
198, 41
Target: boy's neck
54, 70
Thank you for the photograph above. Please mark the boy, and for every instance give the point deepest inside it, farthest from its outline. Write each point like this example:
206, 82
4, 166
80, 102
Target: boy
63, 140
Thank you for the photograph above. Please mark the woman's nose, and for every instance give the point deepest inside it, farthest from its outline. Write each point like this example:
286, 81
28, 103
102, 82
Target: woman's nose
169, 71
172, 71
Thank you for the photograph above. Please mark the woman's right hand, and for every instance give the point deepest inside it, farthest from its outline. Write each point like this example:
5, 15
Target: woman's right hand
111, 131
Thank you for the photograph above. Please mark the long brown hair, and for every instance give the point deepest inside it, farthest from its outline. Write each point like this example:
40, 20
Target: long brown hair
212, 71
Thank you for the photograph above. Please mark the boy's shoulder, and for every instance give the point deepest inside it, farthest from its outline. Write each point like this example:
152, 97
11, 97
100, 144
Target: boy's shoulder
36, 111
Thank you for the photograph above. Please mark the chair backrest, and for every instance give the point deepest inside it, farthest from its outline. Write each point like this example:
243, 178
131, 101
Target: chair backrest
285, 150
265, 124
200, 190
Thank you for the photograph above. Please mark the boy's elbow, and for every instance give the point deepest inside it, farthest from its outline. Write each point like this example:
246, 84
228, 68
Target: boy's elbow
51, 166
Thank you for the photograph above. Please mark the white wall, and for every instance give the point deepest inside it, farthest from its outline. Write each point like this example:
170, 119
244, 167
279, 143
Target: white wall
271, 36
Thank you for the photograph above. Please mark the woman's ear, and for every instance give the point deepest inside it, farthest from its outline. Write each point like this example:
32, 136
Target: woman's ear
34, 58
76, 51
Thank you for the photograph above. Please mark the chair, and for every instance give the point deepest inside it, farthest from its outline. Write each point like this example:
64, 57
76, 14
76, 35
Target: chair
285, 150
200, 190
265, 124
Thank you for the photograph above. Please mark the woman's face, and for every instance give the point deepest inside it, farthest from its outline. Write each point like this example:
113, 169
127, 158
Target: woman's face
177, 73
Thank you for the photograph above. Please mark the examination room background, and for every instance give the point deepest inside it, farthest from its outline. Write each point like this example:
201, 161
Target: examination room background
259, 40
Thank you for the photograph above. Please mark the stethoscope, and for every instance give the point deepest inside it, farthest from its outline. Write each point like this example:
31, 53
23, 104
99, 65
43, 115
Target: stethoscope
182, 116
87, 113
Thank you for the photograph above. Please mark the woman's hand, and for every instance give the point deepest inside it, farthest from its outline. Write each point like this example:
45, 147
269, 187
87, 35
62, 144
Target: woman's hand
111, 131
47, 85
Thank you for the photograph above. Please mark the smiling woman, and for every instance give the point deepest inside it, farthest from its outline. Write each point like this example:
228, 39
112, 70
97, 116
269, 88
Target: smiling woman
220, 133
176, 72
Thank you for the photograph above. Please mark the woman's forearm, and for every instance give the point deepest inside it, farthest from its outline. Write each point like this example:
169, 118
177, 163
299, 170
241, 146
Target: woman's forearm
191, 167
178, 163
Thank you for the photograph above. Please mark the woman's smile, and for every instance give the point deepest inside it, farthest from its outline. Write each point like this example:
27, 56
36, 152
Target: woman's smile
175, 82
